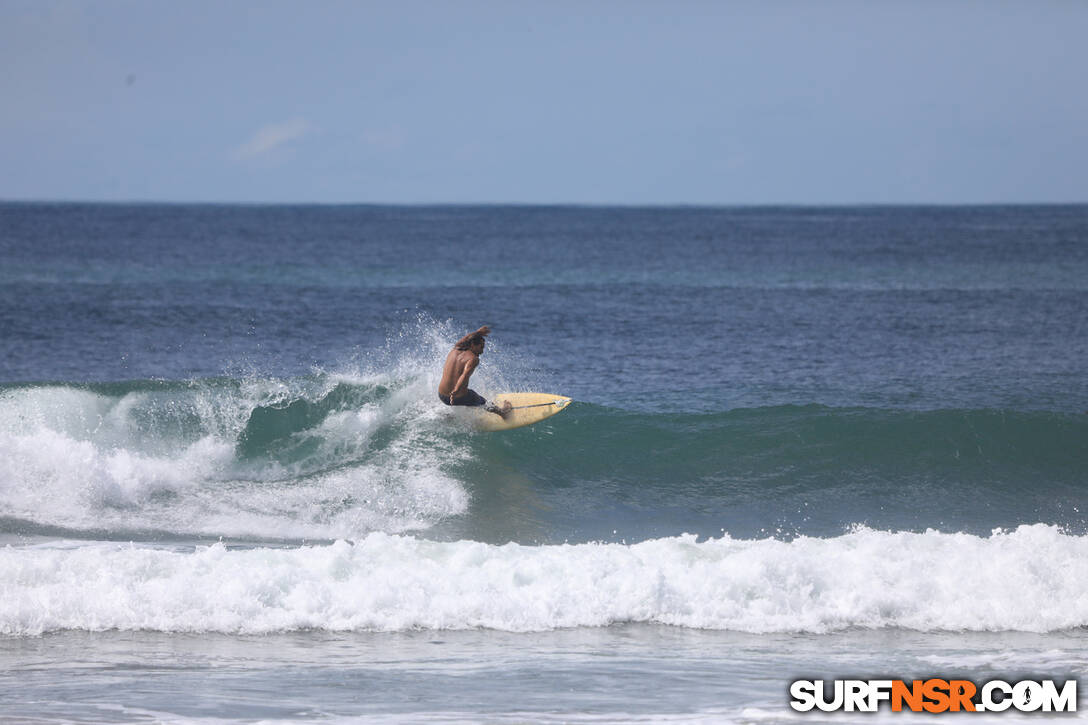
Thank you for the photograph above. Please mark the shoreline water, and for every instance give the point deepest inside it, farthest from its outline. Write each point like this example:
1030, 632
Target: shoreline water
644, 673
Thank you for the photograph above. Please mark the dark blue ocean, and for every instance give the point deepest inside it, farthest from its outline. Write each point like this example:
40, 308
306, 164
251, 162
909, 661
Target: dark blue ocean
805, 442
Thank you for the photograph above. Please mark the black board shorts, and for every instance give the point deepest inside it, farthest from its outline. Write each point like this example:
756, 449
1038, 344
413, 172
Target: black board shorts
469, 397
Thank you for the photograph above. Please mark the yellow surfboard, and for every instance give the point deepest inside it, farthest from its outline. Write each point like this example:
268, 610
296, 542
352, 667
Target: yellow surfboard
527, 408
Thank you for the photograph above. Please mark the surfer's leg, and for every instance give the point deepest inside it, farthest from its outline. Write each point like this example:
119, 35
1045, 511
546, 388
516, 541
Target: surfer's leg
501, 412
470, 397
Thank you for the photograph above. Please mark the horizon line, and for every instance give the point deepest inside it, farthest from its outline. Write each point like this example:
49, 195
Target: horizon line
542, 204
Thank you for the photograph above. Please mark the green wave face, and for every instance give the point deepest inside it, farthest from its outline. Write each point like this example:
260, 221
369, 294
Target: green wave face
796, 443
794, 470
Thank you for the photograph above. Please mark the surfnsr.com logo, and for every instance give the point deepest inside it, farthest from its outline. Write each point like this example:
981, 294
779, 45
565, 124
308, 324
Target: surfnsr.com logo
934, 695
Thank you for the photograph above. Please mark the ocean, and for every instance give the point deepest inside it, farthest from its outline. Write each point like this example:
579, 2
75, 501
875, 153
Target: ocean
805, 443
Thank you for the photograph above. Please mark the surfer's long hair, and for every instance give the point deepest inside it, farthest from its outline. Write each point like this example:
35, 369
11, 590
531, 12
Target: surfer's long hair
469, 342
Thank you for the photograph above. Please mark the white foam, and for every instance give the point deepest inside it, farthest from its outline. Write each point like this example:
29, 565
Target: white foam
1032, 579
165, 460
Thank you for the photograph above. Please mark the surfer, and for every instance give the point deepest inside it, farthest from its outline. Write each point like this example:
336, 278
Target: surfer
460, 363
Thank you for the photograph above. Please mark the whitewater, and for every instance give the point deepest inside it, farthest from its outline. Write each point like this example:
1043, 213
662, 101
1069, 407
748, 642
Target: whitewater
1032, 579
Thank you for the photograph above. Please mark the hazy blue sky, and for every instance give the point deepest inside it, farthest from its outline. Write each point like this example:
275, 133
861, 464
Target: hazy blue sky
585, 102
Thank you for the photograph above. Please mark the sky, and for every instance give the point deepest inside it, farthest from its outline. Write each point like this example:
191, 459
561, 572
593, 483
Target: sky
588, 102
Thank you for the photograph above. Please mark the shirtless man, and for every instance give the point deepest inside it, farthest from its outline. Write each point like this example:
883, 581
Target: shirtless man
460, 363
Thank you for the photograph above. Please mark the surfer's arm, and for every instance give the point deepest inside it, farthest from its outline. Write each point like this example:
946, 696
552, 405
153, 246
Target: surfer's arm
485, 331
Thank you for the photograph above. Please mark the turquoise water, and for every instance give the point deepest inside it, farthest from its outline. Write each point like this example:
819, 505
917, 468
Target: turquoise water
805, 442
